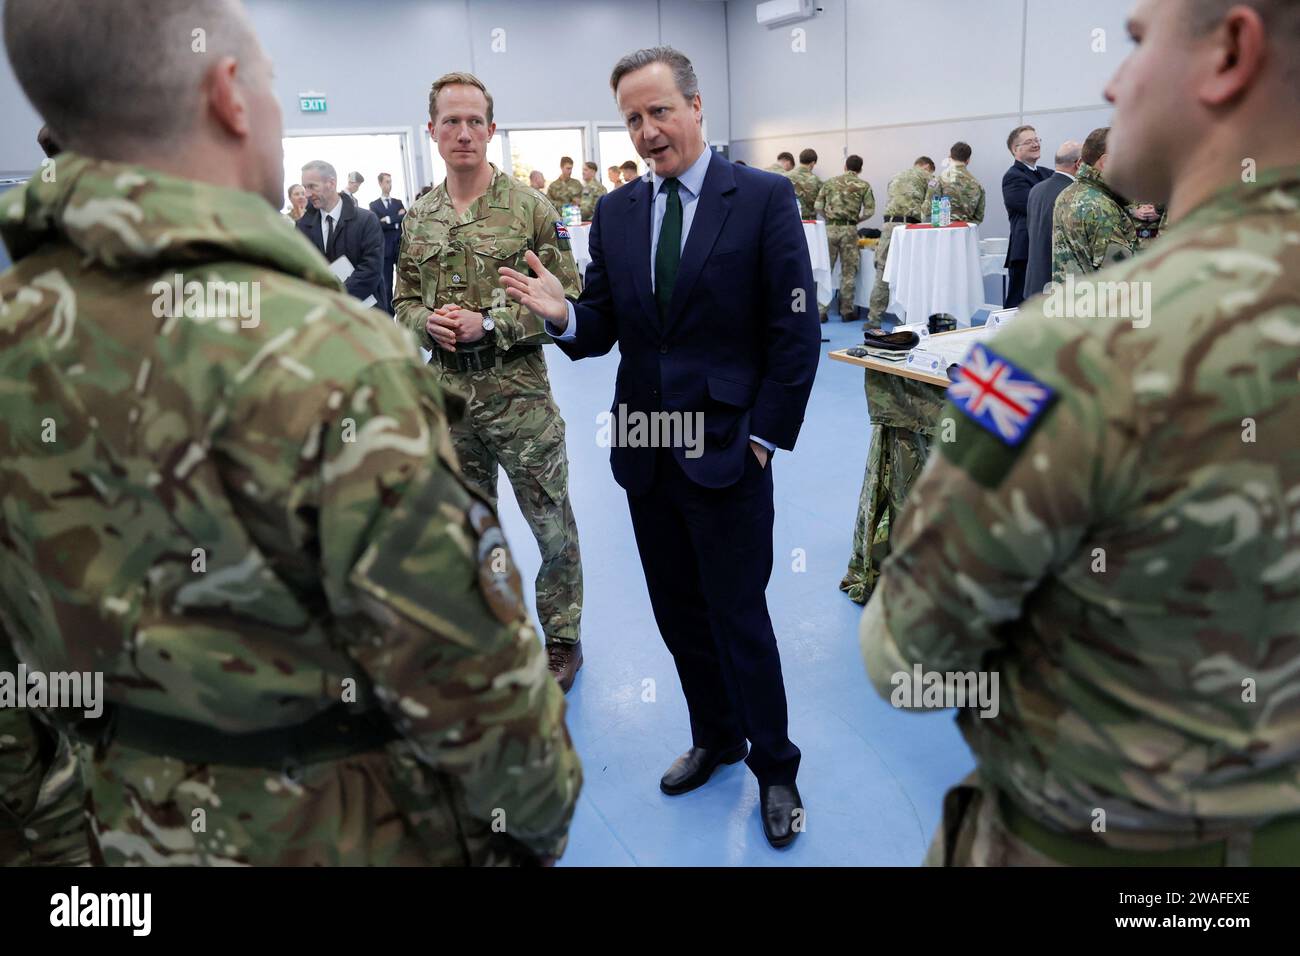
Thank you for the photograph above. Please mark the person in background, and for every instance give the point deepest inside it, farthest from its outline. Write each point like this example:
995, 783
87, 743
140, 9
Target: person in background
1042, 201
615, 176
297, 202
784, 163
845, 201
354, 183
1024, 175
339, 229
962, 189
592, 190
629, 172
904, 204
1089, 225
389, 212
537, 181
566, 190
807, 184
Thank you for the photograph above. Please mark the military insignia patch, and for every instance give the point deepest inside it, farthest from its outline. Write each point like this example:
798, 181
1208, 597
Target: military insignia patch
998, 396
562, 236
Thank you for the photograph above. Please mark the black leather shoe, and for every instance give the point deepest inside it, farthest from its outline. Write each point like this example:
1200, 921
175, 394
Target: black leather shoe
782, 810
693, 768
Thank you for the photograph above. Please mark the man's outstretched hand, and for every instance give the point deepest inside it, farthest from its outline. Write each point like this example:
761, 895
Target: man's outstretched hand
542, 294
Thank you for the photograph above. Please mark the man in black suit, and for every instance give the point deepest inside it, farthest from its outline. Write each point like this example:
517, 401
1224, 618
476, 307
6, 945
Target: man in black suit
338, 228
390, 213
700, 275
1042, 200
1023, 176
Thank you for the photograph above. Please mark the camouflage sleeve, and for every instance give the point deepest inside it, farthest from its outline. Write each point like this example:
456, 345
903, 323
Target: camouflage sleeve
979, 208
408, 299
418, 574
868, 204
986, 523
819, 206
931, 190
514, 322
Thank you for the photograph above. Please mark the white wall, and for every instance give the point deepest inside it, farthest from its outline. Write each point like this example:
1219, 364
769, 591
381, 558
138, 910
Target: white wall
376, 61
894, 79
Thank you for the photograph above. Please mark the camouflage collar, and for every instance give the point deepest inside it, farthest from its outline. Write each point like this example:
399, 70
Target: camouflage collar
1094, 178
129, 217
496, 197
1274, 190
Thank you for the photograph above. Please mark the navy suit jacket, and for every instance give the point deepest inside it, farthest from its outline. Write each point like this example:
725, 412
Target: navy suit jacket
741, 339
358, 237
1042, 200
1016, 183
392, 230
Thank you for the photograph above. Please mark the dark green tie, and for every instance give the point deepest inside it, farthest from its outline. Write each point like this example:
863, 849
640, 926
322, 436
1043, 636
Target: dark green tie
668, 254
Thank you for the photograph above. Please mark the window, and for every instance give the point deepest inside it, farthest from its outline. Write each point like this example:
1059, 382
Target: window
366, 153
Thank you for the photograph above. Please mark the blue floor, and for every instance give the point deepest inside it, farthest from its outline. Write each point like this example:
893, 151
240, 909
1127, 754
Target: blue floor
871, 778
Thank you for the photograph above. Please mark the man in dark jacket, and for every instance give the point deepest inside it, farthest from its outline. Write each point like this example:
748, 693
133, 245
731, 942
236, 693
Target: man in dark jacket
338, 228
390, 213
1023, 176
1042, 200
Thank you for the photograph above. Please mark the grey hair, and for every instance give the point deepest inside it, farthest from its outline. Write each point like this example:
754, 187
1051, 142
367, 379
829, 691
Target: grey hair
1069, 152
675, 60
320, 166
114, 80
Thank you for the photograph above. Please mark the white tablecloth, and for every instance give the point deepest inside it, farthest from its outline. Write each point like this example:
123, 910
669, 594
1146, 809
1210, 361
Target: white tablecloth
578, 242
935, 270
866, 277
820, 253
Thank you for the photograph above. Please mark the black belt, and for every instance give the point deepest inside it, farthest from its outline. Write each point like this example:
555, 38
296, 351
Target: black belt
911, 219
478, 360
841, 222
330, 735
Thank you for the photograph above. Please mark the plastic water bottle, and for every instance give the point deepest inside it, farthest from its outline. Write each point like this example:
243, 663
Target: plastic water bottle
945, 212
934, 211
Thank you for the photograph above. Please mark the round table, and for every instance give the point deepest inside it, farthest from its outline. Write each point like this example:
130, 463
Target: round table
935, 270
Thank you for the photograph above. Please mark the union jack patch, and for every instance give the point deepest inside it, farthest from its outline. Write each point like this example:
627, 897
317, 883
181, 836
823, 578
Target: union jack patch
561, 232
998, 396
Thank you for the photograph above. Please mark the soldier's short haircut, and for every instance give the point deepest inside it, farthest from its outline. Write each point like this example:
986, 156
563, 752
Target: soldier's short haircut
785, 157
924, 161
1015, 135
675, 60
326, 170
112, 81
592, 166
629, 165
457, 79
960, 151
566, 160
1281, 21
1094, 147
808, 156
853, 164
1068, 155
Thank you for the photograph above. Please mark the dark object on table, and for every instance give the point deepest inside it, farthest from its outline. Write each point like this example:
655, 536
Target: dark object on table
857, 352
942, 322
890, 341
954, 371
866, 233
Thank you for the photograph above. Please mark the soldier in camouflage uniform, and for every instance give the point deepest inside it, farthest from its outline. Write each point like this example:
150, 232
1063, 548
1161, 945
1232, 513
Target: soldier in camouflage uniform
1148, 220
783, 165
1090, 227
592, 190
957, 183
489, 349
1124, 556
806, 184
906, 203
565, 190
845, 201
232, 492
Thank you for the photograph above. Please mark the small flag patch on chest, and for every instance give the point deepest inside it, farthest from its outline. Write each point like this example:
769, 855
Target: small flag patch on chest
561, 232
998, 396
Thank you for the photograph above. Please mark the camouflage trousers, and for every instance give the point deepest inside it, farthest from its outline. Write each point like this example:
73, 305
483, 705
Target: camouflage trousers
973, 833
880, 291
843, 242
511, 419
42, 814
378, 808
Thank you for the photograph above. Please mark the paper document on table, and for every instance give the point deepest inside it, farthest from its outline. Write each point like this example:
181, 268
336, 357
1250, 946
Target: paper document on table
952, 348
343, 268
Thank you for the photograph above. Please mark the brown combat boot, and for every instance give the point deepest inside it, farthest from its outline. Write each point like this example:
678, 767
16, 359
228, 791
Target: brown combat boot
564, 661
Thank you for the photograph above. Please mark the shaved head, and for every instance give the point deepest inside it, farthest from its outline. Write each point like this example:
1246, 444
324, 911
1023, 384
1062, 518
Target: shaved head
113, 79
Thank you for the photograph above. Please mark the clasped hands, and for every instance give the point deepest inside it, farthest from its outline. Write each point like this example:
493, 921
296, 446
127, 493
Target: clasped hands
450, 324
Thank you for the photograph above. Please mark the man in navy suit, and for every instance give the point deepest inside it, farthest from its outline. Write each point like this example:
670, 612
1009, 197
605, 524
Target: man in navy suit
1042, 201
337, 227
700, 275
389, 212
1023, 176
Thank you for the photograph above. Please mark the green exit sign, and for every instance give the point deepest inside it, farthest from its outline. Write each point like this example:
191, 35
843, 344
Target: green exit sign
311, 102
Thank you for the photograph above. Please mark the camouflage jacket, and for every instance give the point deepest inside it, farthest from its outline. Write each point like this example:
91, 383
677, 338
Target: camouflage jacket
446, 258
561, 193
591, 192
806, 187
1130, 570
1090, 227
241, 515
907, 194
962, 188
847, 198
